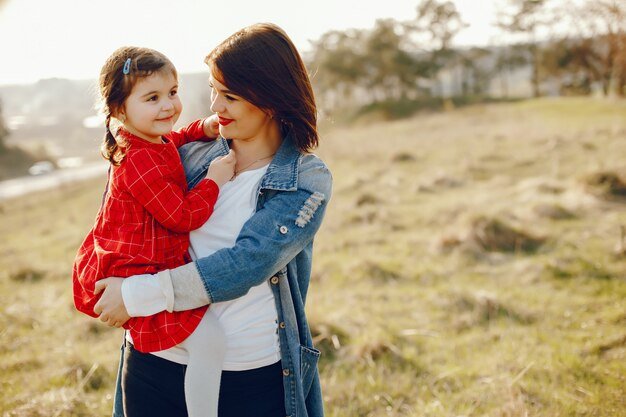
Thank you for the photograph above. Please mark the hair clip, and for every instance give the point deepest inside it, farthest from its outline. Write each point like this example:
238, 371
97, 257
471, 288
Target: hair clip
126, 68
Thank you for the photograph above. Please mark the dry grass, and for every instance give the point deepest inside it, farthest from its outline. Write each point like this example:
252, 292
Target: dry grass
465, 268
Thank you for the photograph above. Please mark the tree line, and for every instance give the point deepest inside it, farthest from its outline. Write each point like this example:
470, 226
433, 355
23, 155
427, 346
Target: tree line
560, 48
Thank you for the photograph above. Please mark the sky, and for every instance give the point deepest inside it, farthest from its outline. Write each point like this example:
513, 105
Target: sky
72, 38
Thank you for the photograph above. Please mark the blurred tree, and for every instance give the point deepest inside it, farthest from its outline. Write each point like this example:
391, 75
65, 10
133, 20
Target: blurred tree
387, 62
382, 49
574, 64
441, 22
338, 66
508, 59
358, 67
475, 75
604, 21
392, 70
526, 17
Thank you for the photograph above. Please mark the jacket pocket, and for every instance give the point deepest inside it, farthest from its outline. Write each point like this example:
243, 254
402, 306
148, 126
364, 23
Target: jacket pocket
308, 367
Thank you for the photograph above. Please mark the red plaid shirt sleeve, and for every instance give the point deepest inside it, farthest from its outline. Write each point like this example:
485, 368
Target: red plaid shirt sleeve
148, 179
194, 131
84, 276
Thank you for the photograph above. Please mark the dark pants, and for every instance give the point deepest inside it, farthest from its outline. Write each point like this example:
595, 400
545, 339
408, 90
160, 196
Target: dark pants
154, 387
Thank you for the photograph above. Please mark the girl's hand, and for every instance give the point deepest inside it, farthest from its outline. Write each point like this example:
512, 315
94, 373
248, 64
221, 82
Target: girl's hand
111, 306
211, 127
222, 169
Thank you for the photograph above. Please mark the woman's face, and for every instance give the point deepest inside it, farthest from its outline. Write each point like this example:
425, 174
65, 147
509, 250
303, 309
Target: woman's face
238, 118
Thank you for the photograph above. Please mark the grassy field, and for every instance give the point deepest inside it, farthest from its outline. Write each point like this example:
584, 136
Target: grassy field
472, 263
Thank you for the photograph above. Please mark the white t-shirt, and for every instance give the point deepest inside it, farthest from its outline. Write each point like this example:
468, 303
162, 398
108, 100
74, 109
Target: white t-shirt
249, 322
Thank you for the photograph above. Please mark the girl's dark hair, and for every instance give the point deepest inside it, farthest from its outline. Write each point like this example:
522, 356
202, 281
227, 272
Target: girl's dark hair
261, 64
117, 79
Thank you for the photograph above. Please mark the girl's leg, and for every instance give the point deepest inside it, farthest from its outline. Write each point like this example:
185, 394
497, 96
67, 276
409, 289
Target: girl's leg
152, 386
206, 347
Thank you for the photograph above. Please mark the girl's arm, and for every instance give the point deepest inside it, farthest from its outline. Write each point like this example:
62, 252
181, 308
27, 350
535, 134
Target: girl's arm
203, 129
148, 180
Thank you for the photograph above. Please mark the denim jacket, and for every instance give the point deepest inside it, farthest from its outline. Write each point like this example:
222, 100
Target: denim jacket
275, 243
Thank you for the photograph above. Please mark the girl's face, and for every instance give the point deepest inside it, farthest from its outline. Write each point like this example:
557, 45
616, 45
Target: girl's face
238, 118
153, 107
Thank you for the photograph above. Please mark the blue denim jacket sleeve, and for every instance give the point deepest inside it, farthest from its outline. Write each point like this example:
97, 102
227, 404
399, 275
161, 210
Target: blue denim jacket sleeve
282, 227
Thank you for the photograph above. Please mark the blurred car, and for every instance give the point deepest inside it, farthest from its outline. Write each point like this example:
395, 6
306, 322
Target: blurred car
41, 167
70, 162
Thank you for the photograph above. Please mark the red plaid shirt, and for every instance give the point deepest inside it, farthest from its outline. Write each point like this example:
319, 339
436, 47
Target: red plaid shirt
142, 228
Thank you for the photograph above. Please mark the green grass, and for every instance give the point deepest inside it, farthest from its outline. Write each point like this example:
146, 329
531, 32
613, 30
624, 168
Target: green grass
413, 314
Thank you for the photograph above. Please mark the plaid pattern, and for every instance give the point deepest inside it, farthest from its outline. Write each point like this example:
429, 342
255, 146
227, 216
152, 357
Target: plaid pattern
142, 228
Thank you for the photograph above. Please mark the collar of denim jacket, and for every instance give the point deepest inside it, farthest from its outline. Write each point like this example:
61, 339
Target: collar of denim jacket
282, 174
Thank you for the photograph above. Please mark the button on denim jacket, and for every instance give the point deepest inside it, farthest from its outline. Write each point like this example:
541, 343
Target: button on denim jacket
275, 243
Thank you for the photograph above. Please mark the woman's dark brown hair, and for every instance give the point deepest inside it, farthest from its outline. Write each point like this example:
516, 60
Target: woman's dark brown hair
118, 76
261, 64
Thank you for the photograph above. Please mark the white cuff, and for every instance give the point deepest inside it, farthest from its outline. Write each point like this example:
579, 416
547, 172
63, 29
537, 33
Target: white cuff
143, 296
165, 281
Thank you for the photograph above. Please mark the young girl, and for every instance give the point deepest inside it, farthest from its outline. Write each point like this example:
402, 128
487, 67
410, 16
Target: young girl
147, 213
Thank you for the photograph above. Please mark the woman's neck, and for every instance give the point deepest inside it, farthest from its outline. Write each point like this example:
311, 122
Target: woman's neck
263, 146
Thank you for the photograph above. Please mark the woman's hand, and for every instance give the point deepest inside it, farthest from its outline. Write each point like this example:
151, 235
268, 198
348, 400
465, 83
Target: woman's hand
111, 306
211, 127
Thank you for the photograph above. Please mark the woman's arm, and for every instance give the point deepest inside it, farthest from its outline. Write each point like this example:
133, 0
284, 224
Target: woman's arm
285, 225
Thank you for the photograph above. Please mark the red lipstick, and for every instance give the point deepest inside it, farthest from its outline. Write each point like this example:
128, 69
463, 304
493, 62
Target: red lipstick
224, 121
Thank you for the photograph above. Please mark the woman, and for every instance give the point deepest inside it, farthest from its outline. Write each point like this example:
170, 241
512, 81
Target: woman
255, 276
